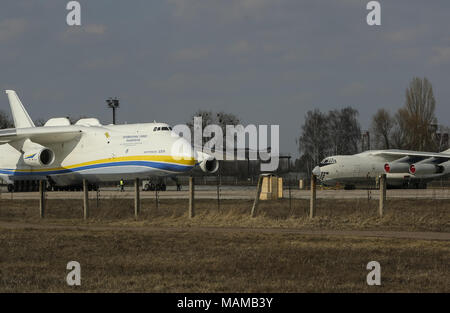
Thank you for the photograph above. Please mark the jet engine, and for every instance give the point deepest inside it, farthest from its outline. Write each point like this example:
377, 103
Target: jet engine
208, 163
425, 169
36, 155
396, 167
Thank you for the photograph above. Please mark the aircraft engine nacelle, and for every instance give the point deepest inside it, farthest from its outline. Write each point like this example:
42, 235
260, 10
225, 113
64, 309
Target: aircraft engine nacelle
425, 169
38, 157
207, 163
396, 167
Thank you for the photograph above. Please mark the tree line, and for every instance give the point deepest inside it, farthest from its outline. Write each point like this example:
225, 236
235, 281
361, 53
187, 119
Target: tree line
413, 127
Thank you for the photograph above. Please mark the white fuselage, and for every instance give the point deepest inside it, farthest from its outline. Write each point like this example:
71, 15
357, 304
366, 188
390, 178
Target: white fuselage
105, 153
363, 169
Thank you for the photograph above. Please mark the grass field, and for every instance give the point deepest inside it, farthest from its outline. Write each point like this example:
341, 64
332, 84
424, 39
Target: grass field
407, 215
164, 251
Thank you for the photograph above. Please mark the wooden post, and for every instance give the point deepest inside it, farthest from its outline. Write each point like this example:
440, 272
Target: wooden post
191, 197
156, 198
42, 198
312, 202
290, 197
137, 198
86, 199
218, 193
382, 194
258, 192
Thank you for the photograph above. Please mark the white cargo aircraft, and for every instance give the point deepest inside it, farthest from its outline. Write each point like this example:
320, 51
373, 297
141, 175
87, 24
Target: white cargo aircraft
403, 168
65, 154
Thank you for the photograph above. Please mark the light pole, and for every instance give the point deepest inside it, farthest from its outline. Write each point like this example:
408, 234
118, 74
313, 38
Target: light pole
113, 104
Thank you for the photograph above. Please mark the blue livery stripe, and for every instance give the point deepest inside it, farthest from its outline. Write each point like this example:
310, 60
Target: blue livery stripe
157, 165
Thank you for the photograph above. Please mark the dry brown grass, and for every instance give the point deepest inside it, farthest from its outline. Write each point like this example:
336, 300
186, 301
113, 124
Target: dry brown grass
143, 257
202, 261
410, 215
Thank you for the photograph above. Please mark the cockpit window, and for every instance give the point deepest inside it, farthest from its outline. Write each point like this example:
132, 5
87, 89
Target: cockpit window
162, 128
327, 161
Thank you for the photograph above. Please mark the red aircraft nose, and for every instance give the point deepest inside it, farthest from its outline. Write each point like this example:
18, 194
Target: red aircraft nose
387, 168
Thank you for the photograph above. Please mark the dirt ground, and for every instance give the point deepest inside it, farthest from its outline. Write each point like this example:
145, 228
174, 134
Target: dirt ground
225, 250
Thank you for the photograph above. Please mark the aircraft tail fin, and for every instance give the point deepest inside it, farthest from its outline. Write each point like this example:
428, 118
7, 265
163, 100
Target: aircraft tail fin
20, 115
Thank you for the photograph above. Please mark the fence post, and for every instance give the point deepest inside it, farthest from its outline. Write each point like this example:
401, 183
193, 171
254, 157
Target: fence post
137, 198
191, 197
218, 192
42, 198
85, 199
312, 202
258, 192
382, 194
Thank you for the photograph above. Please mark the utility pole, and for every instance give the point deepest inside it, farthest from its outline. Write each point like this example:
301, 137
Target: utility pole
113, 104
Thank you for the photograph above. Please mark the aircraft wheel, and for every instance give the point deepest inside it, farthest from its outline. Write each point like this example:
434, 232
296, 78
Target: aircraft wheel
349, 187
10, 188
163, 187
146, 187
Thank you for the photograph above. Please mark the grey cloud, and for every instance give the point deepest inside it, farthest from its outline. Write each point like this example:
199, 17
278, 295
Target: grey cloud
266, 61
12, 28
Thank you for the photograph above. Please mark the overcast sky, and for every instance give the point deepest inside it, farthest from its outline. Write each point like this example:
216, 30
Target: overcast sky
267, 61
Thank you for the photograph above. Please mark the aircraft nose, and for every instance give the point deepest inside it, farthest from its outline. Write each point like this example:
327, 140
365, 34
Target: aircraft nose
316, 171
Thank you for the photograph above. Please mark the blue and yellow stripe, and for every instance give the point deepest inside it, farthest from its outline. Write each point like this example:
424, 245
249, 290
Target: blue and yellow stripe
161, 162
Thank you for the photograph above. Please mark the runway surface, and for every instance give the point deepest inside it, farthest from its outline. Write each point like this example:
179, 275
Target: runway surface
235, 192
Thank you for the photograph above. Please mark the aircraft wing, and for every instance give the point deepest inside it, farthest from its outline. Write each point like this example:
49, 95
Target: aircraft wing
413, 156
41, 135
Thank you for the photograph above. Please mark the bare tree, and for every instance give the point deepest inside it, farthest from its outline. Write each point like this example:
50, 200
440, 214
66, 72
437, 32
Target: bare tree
417, 118
314, 141
345, 131
382, 128
208, 118
5, 121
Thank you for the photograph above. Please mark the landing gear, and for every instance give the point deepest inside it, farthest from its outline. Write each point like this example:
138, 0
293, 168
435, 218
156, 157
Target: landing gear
349, 187
150, 186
